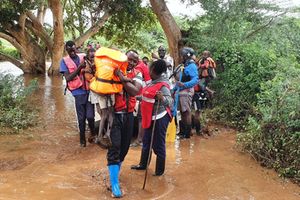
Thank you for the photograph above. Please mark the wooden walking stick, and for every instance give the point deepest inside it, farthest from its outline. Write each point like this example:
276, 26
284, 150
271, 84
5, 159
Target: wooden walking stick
151, 143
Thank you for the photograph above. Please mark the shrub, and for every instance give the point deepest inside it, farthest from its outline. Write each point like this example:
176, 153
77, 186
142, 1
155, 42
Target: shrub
245, 67
15, 111
273, 134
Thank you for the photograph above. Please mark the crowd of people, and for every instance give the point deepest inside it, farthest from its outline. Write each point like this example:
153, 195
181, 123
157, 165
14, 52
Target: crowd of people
155, 88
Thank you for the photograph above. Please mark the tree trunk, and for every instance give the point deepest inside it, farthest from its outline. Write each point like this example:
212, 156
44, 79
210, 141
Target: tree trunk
32, 54
58, 39
171, 29
37, 28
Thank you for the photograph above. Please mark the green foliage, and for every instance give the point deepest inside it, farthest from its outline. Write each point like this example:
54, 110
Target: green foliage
11, 52
273, 134
248, 49
257, 88
127, 27
10, 10
15, 111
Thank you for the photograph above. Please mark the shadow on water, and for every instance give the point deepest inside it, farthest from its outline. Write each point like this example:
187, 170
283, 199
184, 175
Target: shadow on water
50, 164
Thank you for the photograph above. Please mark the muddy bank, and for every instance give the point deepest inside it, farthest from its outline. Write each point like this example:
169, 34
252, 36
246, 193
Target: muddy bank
47, 163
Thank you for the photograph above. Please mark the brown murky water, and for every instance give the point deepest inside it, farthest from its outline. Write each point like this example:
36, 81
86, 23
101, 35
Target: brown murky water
47, 163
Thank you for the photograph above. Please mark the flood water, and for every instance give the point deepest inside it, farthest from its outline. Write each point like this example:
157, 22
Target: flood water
47, 163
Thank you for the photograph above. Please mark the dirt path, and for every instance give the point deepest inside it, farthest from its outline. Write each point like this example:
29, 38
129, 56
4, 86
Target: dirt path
47, 163
52, 168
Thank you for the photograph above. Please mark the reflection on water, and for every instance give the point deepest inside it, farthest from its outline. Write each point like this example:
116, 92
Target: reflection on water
54, 106
178, 152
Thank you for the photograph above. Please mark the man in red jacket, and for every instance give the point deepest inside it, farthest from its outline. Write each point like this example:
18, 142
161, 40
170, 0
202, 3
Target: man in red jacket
122, 126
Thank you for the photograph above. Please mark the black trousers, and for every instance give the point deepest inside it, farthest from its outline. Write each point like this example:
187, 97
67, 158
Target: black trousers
85, 111
120, 135
159, 138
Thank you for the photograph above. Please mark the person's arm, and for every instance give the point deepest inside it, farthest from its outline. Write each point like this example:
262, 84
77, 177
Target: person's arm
88, 71
193, 73
70, 76
132, 87
164, 95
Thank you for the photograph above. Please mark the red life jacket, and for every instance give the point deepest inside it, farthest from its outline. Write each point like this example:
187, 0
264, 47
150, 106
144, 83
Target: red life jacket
148, 100
79, 80
124, 102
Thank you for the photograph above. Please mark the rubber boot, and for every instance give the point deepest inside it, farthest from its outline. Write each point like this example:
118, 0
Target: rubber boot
182, 130
160, 166
143, 161
82, 139
92, 136
187, 131
114, 180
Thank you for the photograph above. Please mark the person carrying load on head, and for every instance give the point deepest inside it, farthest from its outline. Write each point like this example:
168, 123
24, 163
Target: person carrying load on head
157, 90
189, 79
72, 67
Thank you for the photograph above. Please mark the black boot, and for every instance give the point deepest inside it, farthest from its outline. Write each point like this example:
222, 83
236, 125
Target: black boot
82, 139
198, 128
187, 131
181, 129
92, 136
143, 161
160, 166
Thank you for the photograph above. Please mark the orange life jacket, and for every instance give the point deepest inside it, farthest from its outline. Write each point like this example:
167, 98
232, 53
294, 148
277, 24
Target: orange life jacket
148, 100
124, 102
209, 64
79, 80
106, 61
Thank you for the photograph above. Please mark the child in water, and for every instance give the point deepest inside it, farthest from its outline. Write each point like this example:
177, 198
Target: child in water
156, 105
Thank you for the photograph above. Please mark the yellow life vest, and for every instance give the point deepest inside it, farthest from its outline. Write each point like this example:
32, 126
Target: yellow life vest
106, 61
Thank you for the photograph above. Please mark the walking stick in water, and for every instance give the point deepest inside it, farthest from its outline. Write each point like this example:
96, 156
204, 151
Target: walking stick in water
151, 143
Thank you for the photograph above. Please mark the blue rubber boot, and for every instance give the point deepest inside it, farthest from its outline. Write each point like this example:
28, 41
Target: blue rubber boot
114, 180
120, 165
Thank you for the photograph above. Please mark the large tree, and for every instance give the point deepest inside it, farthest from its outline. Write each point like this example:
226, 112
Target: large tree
170, 27
23, 26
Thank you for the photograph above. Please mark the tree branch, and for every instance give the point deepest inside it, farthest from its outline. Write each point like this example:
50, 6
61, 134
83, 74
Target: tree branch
263, 26
11, 59
93, 30
39, 30
13, 41
22, 20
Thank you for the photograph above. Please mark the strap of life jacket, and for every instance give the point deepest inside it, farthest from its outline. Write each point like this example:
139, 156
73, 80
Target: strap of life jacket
108, 81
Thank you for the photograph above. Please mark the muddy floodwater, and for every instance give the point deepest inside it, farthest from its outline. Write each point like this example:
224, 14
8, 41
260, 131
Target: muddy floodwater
47, 163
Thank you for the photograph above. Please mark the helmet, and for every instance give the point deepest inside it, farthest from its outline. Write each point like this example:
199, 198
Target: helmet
187, 52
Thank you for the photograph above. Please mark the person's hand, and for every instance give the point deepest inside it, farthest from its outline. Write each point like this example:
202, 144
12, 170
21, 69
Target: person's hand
82, 65
138, 98
159, 96
125, 79
118, 73
180, 84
